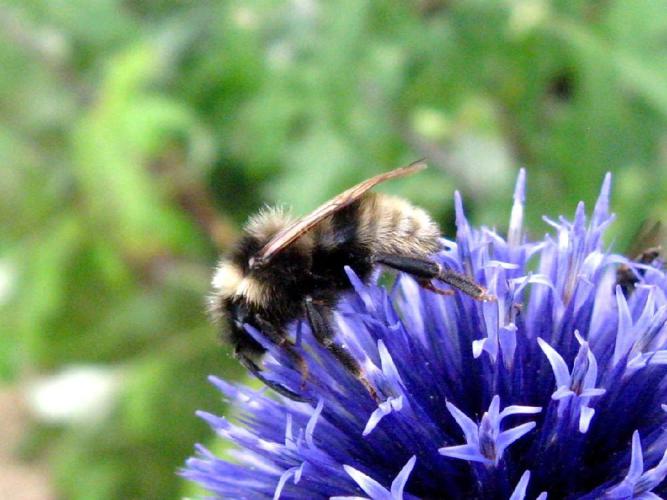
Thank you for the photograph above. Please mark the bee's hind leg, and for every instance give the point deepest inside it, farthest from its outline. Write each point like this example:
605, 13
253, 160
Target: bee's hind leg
425, 270
319, 318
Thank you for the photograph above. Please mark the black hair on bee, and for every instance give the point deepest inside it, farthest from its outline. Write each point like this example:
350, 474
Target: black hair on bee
282, 270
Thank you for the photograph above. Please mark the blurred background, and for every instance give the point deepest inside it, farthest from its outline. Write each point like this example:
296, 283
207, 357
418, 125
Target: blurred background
137, 136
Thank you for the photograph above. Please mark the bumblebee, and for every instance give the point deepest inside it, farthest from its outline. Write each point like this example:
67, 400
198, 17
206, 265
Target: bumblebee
282, 270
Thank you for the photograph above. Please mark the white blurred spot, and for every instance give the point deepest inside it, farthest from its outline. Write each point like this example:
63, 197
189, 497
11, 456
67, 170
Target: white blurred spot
432, 124
245, 17
78, 394
280, 54
486, 160
526, 15
7, 280
54, 44
306, 9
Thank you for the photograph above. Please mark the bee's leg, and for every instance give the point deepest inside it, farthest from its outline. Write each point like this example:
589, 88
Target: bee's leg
319, 317
252, 367
425, 270
280, 339
428, 285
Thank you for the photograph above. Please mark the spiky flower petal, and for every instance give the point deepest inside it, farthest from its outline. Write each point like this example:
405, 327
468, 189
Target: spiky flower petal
485, 442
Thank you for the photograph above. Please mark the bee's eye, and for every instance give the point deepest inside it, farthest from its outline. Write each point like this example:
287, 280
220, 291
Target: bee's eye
255, 262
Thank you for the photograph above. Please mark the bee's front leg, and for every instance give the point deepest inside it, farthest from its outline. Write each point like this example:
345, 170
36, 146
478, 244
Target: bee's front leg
253, 368
319, 318
279, 338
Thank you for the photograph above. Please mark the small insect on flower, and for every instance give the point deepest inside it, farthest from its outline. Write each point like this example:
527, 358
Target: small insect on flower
282, 270
646, 251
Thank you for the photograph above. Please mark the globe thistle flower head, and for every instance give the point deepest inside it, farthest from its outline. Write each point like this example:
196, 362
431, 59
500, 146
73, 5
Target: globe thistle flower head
554, 389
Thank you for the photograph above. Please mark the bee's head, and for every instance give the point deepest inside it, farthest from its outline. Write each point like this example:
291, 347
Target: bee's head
235, 283
240, 277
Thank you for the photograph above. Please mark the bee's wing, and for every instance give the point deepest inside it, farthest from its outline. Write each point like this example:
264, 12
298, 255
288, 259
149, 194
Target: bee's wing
301, 226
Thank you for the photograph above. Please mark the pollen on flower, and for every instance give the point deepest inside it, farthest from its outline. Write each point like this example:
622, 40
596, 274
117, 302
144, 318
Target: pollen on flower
544, 391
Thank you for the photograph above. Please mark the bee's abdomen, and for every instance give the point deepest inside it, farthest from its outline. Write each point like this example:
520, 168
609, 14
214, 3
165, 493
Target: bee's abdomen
372, 225
391, 225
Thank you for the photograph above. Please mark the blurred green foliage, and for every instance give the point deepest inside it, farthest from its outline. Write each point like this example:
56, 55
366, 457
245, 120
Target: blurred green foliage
136, 137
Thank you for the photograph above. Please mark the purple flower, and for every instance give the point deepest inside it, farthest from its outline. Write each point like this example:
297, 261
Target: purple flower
543, 392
